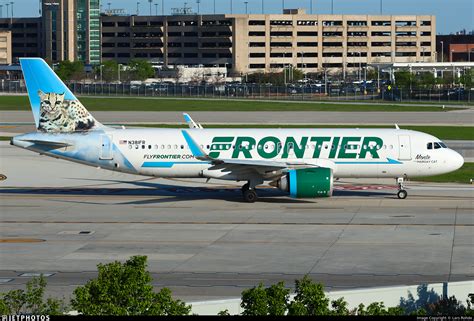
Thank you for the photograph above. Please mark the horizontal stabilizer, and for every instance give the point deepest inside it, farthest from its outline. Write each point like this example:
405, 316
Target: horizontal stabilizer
53, 145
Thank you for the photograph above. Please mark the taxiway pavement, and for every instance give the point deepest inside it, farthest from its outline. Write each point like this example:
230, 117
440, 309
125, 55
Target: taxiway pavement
204, 242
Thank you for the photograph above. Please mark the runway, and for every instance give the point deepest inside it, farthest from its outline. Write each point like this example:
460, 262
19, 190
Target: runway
203, 242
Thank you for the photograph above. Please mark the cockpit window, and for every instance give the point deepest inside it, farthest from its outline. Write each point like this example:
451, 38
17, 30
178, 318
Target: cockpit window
443, 145
430, 146
437, 146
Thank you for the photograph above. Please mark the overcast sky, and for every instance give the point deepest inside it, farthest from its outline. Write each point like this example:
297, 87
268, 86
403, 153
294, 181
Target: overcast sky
452, 15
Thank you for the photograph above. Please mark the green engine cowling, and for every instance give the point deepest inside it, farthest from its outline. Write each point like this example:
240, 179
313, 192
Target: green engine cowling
307, 182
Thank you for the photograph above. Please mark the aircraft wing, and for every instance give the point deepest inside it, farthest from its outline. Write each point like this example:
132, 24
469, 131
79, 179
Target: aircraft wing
260, 166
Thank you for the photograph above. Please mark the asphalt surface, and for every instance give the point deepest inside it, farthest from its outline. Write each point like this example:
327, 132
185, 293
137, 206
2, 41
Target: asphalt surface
203, 242
454, 117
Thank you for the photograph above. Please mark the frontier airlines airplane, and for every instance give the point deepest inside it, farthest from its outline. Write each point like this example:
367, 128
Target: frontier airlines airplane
302, 162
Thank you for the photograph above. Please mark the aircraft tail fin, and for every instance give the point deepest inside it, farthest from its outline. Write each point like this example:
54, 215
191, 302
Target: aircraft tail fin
54, 106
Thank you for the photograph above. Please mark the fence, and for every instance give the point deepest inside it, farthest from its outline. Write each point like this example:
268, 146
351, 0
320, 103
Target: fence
255, 91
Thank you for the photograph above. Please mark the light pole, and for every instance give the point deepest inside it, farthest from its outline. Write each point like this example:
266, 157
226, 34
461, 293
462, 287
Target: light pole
332, 6
263, 6
162, 7
151, 2
214, 6
282, 5
360, 66
246, 6
12, 8
109, 3
7, 5
442, 51
138, 8
119, 67
442, 58
302, 63
381, 7
231, 6
198, 2
156, 9
1, 11
100, 68
311, 6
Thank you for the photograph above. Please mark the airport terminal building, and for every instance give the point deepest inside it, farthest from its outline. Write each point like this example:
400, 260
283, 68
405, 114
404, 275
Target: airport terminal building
257, 42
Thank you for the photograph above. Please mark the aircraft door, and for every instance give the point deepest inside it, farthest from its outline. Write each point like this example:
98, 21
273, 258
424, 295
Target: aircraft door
404, 147
106, 151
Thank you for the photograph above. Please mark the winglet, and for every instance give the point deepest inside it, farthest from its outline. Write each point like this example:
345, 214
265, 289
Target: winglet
191, 123
195, 148
396, 126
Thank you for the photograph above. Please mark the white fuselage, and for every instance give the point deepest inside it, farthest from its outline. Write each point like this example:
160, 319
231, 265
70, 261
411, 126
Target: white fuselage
358, 153
349, 152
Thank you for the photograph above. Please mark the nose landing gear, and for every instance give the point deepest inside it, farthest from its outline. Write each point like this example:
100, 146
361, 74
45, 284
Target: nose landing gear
402, 193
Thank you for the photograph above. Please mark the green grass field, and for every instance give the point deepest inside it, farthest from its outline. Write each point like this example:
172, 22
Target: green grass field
442, 132
155, 104
462, 175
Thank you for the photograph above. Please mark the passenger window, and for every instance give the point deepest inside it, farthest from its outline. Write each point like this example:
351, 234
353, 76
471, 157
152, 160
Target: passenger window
182, 146
437, 146
149, 146
430, 146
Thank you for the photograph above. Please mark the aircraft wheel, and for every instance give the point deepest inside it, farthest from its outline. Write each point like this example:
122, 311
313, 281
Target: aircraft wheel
402, 194
250, 196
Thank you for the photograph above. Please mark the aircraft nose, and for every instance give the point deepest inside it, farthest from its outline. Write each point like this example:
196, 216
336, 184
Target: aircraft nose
456, 160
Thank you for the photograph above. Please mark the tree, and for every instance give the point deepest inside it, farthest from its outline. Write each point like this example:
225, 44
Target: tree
425, 297
140, 69
446, 306
68, 70
339, 307
265, 301
125, 289
403, 79
254, 301
30, 301
110, 70
378, 308
310, 299
470, 305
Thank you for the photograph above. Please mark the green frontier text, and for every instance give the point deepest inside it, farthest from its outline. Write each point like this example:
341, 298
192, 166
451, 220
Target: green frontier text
272, 147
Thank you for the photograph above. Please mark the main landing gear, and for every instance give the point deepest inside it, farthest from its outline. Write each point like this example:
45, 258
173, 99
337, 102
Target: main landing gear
250, 195
402, 193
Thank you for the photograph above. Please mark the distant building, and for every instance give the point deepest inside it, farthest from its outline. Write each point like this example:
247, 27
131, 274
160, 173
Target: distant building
5, 47
26, 38
250, 43
71, 30
455, 48
66, 30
